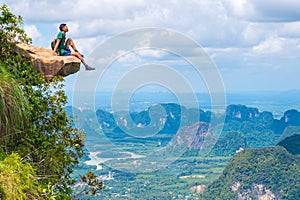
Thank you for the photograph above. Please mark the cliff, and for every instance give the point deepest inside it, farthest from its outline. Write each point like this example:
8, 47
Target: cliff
47, 64
197, 137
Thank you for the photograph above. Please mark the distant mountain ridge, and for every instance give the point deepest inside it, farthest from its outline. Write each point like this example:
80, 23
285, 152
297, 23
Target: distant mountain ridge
174, 112
240, 127
174, 115
265, 150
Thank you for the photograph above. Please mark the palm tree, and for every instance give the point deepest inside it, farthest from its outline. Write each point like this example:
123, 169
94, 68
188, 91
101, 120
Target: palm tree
13, 106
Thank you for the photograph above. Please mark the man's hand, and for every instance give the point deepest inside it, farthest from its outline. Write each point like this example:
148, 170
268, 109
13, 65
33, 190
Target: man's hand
54, 53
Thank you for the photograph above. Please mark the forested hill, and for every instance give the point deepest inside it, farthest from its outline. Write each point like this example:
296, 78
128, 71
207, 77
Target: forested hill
267, 173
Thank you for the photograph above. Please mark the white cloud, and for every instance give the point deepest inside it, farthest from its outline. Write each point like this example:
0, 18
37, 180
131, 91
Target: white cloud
212, 23
32, 31
241, 8
254, 33
269, 46
205, 20
290, 30
278, 48
236, 33
151, 53
87, 45
218, 23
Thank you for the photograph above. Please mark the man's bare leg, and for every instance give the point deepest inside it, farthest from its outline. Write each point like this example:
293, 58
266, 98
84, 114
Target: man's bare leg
78, 55
72, 44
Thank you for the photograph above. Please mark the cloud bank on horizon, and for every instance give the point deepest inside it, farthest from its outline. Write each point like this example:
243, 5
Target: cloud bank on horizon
255, 44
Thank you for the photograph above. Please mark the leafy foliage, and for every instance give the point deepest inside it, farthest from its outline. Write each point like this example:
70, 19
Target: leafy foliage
229, 144
10, 26
272, 167
48, 142
13, 108
17, 179
90, 185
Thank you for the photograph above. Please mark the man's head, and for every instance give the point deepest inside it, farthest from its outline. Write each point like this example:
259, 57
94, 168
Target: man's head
63, 27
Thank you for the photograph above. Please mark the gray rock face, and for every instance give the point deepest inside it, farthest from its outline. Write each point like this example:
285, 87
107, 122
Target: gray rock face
259, 192
49, 65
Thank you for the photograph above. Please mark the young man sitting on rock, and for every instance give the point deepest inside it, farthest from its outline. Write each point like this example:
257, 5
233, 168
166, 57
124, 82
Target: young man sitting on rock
62, 45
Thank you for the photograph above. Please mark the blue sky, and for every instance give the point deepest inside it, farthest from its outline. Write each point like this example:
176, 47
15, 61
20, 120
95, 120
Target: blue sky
255, 44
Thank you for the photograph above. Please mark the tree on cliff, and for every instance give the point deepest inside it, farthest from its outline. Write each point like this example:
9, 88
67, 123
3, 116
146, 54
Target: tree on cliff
33, 121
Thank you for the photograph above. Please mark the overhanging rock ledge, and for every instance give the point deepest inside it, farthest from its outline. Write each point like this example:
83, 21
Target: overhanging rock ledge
49, 65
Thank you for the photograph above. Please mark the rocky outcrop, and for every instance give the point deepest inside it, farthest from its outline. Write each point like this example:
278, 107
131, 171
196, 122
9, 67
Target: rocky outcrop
197, 137
259, 192
241, 113
49, 65
198, 188
235, 186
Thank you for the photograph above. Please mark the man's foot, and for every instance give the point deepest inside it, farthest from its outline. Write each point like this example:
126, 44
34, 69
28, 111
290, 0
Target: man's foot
89, 68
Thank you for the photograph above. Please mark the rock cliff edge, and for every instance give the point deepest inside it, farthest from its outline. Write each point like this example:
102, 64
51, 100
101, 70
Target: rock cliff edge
49, 65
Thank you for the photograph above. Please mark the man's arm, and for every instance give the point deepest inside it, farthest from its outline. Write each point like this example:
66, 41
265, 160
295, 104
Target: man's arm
56, 45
